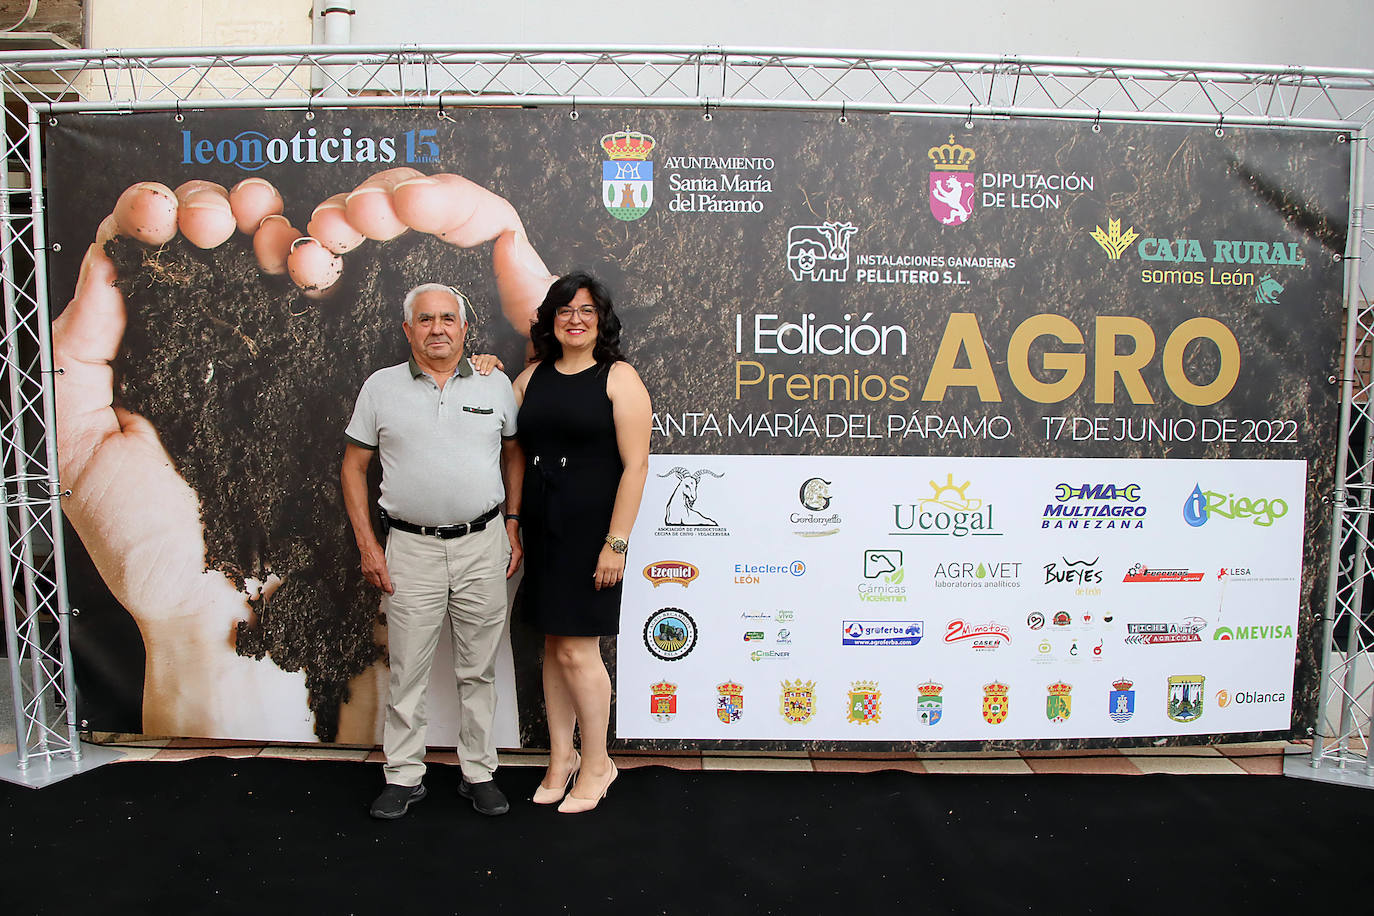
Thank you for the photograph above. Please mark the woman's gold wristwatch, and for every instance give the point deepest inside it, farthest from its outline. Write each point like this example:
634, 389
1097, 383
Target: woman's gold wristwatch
619, 545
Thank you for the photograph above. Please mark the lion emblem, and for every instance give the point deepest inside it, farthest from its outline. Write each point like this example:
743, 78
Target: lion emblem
956, 195
1268, 290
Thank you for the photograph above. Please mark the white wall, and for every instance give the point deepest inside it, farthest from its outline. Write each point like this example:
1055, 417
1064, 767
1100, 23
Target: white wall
1327, 33
207, 23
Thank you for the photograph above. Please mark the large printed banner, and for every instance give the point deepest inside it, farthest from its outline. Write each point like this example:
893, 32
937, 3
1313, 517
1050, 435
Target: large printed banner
963, 432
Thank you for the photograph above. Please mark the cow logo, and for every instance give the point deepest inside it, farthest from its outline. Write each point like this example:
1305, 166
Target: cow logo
1268, 290
996, 703
683, 574
681, 510
729, 702
819, 253
815, 494
1114, 241
1185, 697
885, 566
865, 703
627, 174
1121, 700
929, 702
952, 184
663, 701
1059, 702
670, 634
798, 701
886, 563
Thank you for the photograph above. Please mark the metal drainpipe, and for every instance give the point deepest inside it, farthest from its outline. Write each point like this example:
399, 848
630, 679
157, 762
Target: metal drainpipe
336, 18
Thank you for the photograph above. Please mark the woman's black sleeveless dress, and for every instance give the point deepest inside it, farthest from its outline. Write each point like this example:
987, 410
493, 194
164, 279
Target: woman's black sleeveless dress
572, 471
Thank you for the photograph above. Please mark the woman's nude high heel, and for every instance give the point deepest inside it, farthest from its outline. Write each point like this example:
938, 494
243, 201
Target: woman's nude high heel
543, 796
574, 805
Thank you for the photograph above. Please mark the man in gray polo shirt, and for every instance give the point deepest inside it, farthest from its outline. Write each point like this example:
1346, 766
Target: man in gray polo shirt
445, 435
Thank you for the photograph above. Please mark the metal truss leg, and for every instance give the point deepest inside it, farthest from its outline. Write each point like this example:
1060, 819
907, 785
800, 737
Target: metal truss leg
1334, 748
47, 742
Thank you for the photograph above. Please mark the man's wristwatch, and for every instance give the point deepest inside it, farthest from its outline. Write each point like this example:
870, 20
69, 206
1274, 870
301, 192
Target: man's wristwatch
619, 545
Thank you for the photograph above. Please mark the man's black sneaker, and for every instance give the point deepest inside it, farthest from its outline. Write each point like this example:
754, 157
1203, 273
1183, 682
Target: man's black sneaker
487, 798
394, 801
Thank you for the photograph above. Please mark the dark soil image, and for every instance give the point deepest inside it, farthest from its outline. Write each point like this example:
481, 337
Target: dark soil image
248, 383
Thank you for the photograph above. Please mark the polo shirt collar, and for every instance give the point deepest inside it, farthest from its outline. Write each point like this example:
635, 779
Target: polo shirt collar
463, 370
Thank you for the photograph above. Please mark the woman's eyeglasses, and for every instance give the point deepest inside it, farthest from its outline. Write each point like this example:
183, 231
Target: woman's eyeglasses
585, 312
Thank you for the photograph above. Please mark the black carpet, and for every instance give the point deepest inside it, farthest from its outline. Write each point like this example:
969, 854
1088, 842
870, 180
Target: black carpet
224, 836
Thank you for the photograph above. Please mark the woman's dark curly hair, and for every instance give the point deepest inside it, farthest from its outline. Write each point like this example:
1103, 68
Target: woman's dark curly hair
546, 345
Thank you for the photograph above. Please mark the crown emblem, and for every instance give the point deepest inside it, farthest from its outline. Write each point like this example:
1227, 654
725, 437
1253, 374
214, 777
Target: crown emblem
663, 687
950, 157
1123, 684
629, 144
730, 687
996, 689
929, 690
1060, 689
864, 687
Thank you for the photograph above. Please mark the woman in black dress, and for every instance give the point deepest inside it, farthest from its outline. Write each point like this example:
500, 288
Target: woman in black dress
584, 426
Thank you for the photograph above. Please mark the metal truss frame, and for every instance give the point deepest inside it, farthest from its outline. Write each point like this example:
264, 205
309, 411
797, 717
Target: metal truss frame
39, 85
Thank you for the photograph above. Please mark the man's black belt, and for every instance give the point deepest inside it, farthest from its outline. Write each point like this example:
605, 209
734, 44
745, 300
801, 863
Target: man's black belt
442, 531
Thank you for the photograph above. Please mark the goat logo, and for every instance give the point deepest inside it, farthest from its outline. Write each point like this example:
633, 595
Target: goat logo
819, 252
682, 511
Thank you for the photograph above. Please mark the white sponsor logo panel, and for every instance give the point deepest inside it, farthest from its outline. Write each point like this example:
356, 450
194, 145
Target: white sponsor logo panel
940, 608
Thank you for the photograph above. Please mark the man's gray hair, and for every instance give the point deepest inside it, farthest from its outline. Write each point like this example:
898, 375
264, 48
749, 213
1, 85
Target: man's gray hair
408, 307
